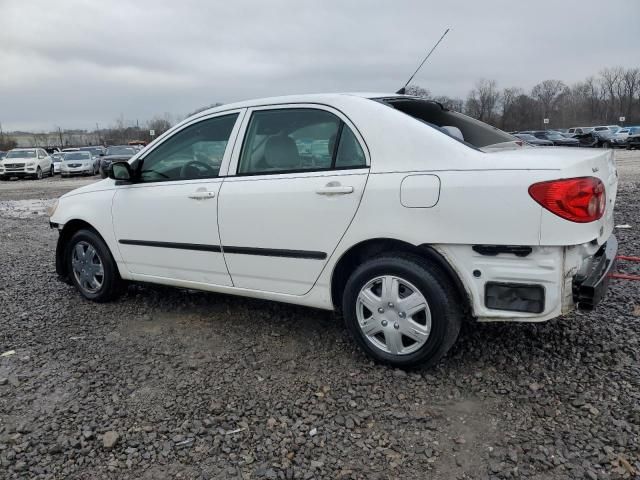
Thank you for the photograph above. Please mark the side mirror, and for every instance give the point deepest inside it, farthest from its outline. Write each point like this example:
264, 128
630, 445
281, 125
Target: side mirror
120, 172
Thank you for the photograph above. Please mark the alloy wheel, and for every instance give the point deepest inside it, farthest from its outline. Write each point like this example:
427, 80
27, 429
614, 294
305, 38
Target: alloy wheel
393, 315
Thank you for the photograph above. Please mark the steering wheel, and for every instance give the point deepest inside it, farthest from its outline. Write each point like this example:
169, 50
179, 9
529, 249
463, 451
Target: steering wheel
196, 166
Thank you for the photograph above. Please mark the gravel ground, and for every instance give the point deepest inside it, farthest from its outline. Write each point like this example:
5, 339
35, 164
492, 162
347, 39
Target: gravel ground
168, 383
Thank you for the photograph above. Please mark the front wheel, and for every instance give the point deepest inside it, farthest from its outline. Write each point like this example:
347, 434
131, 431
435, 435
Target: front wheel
402, 310
52, 172
91, 267
39, 173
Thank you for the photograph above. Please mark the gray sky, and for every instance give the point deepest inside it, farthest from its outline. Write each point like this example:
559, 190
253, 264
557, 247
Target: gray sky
74, 63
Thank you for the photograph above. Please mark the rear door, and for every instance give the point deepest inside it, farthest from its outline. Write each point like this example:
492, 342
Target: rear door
300, 172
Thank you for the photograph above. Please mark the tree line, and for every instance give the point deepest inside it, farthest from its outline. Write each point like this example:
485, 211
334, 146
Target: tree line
598, 100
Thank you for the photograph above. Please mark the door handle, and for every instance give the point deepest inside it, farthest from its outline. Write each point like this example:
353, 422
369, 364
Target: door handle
334, 190
202, 195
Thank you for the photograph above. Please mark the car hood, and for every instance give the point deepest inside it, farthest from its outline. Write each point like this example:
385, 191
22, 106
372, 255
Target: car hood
105, 184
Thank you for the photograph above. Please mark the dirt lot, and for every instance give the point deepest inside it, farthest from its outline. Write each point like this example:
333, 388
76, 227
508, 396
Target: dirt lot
167, 383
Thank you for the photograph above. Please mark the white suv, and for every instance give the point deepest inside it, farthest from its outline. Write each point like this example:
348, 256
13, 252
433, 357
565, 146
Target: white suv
402, 214
26, 162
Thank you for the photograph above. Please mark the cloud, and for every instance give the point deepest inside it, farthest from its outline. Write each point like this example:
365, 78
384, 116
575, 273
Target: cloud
77, 62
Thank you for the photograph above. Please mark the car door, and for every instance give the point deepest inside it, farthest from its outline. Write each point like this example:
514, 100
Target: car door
295, 184
166, 222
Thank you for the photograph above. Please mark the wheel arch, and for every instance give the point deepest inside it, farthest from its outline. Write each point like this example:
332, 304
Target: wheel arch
69, 229
362, 251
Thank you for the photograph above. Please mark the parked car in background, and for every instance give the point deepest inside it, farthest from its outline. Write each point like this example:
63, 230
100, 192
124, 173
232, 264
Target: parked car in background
354, 203
116, 153
96, 150
56, 158
579, 130
558, 139
633, 141
77, 163
2, 154
531, 140
600, 139
619, 138
606, 128
26, 162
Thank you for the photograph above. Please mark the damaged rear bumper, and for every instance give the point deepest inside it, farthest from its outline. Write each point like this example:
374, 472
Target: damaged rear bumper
591, 283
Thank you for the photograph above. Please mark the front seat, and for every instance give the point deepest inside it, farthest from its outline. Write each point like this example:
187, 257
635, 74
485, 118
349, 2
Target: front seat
281, 153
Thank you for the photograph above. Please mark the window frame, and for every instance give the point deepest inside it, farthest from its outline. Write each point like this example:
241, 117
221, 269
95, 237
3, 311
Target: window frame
137, 161
344, 120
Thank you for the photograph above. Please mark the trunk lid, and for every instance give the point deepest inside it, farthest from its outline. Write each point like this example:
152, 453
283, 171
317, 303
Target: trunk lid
564, 162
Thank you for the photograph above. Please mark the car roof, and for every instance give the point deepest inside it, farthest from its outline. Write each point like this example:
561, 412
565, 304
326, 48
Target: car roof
327, 98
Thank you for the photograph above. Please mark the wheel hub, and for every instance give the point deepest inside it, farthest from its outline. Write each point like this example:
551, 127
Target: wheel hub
87, 267
393, 315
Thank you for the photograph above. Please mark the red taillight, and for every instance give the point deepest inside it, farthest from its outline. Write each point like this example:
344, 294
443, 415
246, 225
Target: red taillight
579, 200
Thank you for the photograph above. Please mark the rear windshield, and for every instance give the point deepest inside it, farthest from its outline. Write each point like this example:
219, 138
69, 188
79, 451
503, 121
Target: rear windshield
475, 134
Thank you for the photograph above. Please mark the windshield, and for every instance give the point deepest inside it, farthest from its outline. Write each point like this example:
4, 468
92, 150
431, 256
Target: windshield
121, 151
77, 156
56, 157
21, 154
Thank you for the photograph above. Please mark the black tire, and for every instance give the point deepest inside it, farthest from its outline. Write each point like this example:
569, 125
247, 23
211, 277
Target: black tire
606, 145
52, 172
112, 284
441, 295
39, 174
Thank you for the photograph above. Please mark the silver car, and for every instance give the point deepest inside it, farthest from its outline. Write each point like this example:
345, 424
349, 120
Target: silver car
77, 163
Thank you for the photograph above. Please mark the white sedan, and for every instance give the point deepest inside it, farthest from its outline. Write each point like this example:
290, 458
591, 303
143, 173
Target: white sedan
26, 162
77, 163
402, 214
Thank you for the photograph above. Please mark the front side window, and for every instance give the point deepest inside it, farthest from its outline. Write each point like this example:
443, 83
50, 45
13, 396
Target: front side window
193, 153
298, 139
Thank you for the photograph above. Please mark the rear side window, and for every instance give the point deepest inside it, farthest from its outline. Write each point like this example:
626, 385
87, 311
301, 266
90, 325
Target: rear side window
297, 140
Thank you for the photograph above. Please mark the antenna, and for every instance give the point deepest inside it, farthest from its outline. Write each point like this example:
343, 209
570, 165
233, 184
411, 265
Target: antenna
404, 88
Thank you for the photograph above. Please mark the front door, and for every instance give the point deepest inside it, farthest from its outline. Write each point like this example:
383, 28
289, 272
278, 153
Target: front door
166, 222
298, 182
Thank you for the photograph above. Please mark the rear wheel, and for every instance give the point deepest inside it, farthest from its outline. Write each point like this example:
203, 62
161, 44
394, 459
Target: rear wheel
52, 172
401, 310
91, 267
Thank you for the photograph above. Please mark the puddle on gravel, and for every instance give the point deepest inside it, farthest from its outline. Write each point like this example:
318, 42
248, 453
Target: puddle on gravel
24, 208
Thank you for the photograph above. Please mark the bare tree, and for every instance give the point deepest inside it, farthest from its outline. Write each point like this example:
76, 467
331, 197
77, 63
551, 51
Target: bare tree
483, 100
547, 94
631, 83
509, 96
160, 125
417, 91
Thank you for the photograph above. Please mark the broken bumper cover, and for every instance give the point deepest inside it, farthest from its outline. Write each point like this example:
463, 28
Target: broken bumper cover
590, 286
